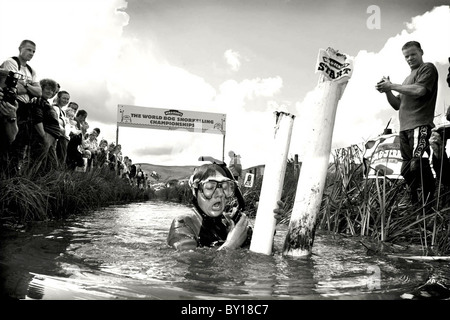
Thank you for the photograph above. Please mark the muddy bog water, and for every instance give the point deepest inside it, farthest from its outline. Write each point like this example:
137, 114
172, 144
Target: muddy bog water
121, 253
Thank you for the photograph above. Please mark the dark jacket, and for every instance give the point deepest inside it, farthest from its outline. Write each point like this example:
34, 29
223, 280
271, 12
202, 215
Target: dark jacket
42, 111
74, 157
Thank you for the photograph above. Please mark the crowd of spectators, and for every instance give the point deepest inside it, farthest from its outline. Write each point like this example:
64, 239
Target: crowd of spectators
43, 129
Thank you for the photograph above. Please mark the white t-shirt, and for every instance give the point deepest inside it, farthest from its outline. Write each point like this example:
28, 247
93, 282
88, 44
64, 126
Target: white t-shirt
63, 121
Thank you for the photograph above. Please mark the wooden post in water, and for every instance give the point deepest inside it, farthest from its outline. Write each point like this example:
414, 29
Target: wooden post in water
272, 186
335, 72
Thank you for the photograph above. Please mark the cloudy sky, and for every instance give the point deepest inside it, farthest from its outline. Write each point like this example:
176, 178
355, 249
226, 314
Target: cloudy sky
244, 58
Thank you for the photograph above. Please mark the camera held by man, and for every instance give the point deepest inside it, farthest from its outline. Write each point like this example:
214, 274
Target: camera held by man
8, 108
10, 88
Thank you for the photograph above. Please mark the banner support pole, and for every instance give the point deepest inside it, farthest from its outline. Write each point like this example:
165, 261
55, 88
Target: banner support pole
223, 148
117, 135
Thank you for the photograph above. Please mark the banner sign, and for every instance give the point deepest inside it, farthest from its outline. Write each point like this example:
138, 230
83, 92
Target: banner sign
333, 65
386, 158
171, 119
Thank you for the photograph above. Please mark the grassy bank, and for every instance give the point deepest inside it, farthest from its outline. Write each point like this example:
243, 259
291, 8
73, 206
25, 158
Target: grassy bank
59, 194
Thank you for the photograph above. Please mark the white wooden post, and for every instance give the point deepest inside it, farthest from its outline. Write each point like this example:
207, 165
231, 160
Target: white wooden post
335, 72
272, 186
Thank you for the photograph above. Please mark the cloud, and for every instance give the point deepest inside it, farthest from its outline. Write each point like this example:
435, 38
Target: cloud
233, 95
233, 59
79, 44
82, 45
363, 112
428, 28
61, 48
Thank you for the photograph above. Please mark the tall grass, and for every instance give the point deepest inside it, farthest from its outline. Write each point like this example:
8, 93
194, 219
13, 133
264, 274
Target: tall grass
355, 205
358, 205
175, 193
34, 195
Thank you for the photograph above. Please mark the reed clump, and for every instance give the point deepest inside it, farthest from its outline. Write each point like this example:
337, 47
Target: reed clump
175, 192
379, 207
34, 196
356, 205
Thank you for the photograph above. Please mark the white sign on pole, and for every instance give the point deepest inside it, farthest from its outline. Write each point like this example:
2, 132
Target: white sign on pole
171, 119
249, 179
334, 65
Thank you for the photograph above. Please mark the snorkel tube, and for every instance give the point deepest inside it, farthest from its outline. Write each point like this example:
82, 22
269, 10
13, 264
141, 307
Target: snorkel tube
238, 193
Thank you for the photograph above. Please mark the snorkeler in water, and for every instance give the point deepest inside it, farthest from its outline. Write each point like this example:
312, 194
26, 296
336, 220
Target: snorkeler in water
210, 224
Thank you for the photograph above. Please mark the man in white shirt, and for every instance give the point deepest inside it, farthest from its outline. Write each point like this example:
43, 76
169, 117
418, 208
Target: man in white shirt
27, 88
61, 101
